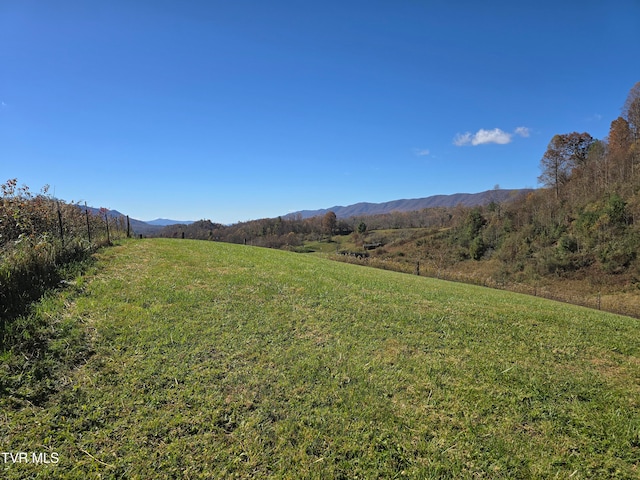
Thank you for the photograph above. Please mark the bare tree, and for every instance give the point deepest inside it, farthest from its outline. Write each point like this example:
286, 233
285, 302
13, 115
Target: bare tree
631, 111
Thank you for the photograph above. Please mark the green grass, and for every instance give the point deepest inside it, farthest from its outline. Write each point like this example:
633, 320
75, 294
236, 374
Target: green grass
220, 361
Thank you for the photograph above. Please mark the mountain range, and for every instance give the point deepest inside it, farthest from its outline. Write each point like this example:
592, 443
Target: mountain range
361, 209
163, 222
407, 205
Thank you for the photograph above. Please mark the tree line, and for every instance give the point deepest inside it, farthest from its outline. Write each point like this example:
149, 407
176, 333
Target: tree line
294, 231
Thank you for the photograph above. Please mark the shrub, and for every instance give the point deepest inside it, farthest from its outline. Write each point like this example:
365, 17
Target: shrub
568, 243
616, 255
477, 248
617, 210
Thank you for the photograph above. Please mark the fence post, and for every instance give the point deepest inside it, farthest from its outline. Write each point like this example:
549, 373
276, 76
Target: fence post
106, 222
86, 211
60, 226
128, 227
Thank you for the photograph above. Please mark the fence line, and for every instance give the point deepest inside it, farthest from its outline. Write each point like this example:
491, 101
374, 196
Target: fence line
37, 236
592, 301
112, 227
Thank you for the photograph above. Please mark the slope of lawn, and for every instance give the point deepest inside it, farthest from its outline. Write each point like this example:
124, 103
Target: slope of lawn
223, 361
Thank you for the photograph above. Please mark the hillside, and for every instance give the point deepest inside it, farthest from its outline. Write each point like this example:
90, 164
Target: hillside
409, 205
211, 360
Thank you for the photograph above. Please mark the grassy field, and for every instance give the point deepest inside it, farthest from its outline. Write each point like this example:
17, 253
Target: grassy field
404, 248
223, 361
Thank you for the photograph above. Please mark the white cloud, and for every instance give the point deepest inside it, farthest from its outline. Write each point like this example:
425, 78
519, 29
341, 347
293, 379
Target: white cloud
462, 139
491, 136
421, 152
483, 137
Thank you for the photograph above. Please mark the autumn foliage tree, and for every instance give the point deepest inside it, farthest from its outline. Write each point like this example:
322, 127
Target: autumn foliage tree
564, 153
620, 141
329, 222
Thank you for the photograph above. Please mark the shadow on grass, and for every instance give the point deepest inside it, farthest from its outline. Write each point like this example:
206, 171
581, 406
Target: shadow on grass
35, 342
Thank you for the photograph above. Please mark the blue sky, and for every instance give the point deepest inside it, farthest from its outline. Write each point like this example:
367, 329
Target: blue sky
248, 109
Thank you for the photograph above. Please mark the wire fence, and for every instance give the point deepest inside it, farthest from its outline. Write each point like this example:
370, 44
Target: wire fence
39, 235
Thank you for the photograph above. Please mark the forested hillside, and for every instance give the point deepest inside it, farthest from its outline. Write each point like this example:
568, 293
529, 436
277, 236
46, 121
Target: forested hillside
585, 220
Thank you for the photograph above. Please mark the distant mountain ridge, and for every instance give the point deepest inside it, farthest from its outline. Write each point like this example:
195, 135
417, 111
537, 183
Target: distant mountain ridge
361, 209
138, 226
163, 222
407, 205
